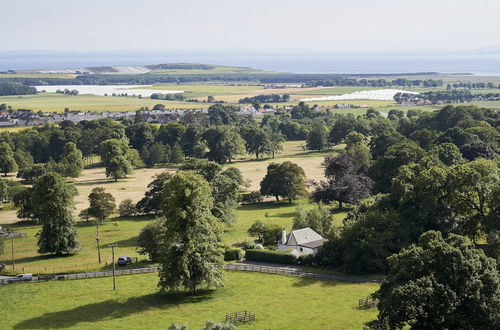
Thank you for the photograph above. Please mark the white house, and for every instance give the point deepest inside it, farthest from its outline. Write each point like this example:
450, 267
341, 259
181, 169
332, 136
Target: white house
300, 242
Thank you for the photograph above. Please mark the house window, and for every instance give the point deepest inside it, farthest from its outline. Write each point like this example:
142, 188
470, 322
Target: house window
301, 249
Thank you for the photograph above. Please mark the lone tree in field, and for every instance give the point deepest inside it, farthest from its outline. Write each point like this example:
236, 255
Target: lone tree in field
101, 206
439, 284
71, 161
287, 180
190, 256
118, 158
7, 162
52, 203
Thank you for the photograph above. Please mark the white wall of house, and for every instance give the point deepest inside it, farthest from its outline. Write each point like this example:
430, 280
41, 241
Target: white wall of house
296, 250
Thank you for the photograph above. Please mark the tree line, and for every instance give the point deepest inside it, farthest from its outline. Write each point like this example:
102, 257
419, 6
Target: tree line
13, 88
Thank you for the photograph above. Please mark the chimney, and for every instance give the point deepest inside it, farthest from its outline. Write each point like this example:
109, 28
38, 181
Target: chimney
283, 237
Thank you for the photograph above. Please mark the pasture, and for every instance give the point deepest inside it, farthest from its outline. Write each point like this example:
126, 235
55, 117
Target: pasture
279, 302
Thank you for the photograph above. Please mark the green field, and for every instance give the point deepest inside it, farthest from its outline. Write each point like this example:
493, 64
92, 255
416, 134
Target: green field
279, 302
337, 90
199, 90
49, 102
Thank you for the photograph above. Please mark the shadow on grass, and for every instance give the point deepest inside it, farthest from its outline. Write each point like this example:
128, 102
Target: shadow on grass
130, 242
267, 206
110, 309
39, 257
302, 282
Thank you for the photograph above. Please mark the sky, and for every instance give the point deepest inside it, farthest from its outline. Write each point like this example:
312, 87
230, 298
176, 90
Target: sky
317, 26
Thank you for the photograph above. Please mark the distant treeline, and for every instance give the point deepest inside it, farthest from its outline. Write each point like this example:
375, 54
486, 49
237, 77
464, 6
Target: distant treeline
168, 97
449, 96
474, 85
154, 78
266, 98
11, 88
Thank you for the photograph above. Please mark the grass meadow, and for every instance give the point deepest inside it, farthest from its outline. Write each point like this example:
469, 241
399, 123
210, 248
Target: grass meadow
279, 302
124, 231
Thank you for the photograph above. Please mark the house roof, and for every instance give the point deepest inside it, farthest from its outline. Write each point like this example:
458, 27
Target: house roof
305, 237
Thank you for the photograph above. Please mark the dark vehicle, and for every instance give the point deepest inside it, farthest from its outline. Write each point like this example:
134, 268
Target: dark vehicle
124, 261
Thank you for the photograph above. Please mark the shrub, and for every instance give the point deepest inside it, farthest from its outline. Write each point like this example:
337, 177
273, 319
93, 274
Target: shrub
127, 208
150, 239
231, 254
253, 197
270, 256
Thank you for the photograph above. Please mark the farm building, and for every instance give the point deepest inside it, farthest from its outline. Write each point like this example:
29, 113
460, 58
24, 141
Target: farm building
300, 242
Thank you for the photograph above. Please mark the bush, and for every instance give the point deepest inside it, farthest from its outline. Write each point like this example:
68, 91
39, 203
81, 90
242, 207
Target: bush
150, 239
270, 256
231, 254
127, 208
253, 197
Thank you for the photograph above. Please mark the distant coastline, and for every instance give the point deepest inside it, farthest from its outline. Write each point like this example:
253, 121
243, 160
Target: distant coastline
480, 64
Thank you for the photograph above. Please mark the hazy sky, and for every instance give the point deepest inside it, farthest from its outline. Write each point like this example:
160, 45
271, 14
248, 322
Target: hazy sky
272, 25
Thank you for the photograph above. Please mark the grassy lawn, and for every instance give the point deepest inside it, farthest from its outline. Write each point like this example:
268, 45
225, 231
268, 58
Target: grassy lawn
279, 302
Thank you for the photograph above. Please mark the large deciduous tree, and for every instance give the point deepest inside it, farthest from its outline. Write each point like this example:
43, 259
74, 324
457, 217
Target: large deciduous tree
343, 184
224, 144
52, 203
7, 162
101, 204
118, 158
71, 161
190, 256
287, 180
439, 284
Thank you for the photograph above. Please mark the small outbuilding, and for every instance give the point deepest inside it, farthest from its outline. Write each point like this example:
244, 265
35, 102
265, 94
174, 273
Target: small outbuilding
300, 242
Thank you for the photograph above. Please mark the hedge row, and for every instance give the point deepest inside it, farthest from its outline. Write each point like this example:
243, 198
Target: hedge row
270, 256
233, 254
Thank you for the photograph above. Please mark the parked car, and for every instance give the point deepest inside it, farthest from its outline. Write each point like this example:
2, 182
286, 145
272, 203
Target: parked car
21, 278
124, 261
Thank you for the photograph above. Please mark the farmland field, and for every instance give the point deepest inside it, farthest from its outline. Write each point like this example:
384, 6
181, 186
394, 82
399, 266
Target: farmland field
92, 304
49, 102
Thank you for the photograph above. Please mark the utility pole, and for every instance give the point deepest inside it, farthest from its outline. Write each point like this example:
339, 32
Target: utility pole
112, 246
98, 239
11, 232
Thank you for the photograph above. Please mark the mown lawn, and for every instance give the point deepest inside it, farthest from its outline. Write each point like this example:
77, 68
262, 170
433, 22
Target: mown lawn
279, 302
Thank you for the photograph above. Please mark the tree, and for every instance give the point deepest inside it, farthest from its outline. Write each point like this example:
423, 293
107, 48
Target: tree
287, 180
344, 185
258, 141
224, 143
318, 219
118, 158
71, 161
151, 201
219, 114
477, 149
190, 256
448, 153
151, 238
155, 154
267, 234
52, 202
439, 284
176, 155
317, 138
23, 159
127, 208
101, 204
140, 135
7, 161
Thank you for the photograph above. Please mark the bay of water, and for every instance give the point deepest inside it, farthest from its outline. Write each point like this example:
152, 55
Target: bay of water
480, 64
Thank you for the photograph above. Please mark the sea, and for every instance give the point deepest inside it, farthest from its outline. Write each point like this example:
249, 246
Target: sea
292, 62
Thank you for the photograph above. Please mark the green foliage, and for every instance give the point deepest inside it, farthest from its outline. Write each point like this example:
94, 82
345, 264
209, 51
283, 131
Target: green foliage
232, 254
127, 208
52, 203
118, 158
224, 143
267, 234
71, 161
440, 284
287, 180
151, 201
219, 114
101, 204
176, 155
190, 255
253, 197
31, 173
270, 256
260, 141
157, 153
318, 219
175, 326
151, 238
317, 138
7, 162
